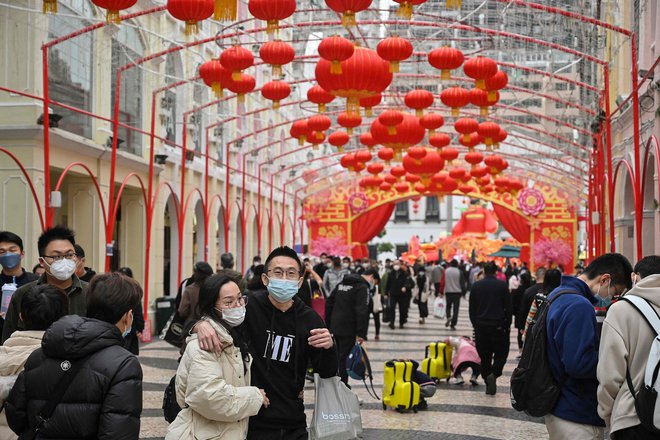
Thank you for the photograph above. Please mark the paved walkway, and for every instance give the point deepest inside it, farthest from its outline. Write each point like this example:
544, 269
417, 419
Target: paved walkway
454, 413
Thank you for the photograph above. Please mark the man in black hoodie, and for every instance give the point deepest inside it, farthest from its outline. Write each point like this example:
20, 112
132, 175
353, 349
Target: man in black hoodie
283, 335
347, 314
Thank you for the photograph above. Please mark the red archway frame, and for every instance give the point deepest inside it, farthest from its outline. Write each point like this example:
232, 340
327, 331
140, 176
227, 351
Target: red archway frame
94, 181
30, 185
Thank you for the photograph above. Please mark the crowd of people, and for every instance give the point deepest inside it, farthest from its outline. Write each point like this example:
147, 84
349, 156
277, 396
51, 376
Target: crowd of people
69, 337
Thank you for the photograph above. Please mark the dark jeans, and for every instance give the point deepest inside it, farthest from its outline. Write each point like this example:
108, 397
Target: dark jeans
493, 347
463, 366
636, 432
278, 434
404, 303
453, 303
376, 322
423, 309
344, 346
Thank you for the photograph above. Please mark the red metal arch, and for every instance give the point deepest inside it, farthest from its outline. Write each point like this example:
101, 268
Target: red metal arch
94, 181
30, 185
123, 185
656, 154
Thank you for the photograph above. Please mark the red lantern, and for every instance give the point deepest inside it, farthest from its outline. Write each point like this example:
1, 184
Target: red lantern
515, 185
277, 53
394, 49
493, 162
465, 126
431, 122
446, 59
320, 97
363, 156
215, 76
406, 8
466, 189
370, 102
375, 168
364, 74
385, 186
501, 136
480, 68
401, 187
439, 140
113, 7
457, 173
424, 167
245, 85
479, 98
455, 97
494, 83
416, 153
449, 154
276, 91
439, 177
309, 175
348, 161
419, 100
409, 133
236, 59
479, 171
191, 11
316, 138
319, 123
390, 119
449, 185
348, 8
412, 178
483, 180
299, 130
489, 130
487, 189
338, 139
349, 121
420, 188
336, 49
474, 158
473, 139
271, 11
390, 179
367, 140
386, 154
501, 184
398, 171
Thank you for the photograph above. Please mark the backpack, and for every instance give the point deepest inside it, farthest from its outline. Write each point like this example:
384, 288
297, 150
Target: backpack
533, 388
358, 367
647, 403
170, 406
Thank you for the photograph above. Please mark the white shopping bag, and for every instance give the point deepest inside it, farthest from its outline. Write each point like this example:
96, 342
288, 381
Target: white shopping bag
336, 411
439, 306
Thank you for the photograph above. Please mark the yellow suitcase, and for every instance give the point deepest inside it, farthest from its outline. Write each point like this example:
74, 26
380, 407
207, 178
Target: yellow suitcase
437, 362
399, 391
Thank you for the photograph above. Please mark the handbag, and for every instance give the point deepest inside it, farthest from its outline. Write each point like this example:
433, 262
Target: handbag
377, 302
173, 331
439, 307
336, 411
318, 304
171, 407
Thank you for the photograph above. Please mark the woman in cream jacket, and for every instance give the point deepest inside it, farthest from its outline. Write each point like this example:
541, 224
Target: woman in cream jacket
213, 389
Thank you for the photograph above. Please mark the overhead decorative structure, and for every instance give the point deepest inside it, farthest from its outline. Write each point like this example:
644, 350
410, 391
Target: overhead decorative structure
406, 7
319, 96
419, 99
215, 76
276, 91
277, 53
394, 50
363, 75
348, 9
480, 68
446, 59
271, 11
456, 98
236, 59
336, 49
191, 12
113, 7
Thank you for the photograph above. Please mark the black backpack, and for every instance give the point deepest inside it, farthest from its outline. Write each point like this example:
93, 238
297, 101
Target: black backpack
533, 388
170, 406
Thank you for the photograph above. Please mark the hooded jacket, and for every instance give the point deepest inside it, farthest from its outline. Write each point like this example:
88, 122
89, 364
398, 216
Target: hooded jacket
278, 344
572, 347
105, 399
625, 342
347, 311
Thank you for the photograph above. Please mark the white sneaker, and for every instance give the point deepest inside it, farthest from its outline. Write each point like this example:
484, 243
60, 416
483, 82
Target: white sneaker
456, 380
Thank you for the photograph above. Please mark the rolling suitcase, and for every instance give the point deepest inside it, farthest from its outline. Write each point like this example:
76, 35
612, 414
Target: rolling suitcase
437, 362
399, 391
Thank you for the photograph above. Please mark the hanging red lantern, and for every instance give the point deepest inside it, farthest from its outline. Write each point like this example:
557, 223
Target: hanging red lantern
446, 59
401, 187
276, 91
487, 189
271, 11
319, 123
420, 188
501, 137
394, 50
398, 171
385, 186
489, 130
419, 99
113, 7
483, 180
408, 133
480, 68
412, 178
478, 171
465, 126
501, 184
470, 141
367, 140
479, 98
299, 130
364, 74
495, 83
424, 167
431, 122
466, 189
457, 173
390, 119
245, 85
236, 59
439, 140
215, 76
386, 154
516, 185
363, 156
336, 49
349, 121
493, 163
449, 185
348, 9
390, 179
309, 175
277, 53
375, 168
348, 161
338, 139
191, 12
406, 8
369, 103
416, 153
320, 97
455, 97
316, 138
439, 177
474, 158
449, 154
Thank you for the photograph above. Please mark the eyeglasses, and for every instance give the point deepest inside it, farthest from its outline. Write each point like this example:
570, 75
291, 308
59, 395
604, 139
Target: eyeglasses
235, 303
70, 256
289, 274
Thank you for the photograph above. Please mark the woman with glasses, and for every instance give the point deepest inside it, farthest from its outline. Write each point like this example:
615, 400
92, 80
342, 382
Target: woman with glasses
213, 389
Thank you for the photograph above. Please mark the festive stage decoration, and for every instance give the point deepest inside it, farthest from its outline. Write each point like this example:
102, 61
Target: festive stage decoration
531, 201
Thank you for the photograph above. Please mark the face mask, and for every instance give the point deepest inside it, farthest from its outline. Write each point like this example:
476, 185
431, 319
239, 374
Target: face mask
234, 317
282, 290
10, 260
63, 269
345, 265
396, 267
371, 285
608, 297
329, 265
128, 329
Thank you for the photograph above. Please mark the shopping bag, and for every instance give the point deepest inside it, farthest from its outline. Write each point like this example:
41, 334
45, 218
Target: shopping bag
173, 330
336, 411
439, 306
378, 303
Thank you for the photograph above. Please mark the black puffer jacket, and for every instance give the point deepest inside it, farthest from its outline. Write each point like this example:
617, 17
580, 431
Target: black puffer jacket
105, 399
346, 310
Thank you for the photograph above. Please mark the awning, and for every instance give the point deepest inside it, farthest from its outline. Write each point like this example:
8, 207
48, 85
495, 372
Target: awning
507, 251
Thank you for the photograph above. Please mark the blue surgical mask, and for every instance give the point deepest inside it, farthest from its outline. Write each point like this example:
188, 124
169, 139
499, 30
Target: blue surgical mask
282, 290
128, 329
10, 260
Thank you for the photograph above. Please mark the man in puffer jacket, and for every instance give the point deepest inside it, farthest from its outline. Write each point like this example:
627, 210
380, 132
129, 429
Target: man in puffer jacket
626, 335
104, 401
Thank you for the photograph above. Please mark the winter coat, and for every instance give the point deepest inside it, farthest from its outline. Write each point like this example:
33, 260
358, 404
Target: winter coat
331, 278
105, 399
346, 311
12, 359
464, 351
423, 287
626, 336
396, 281
454, 280
214, 392
490, 303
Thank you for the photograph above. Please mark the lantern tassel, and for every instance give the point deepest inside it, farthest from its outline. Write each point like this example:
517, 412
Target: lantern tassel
419, 112
349, 131
368, 111
492, 96
236, 76
340, 149
301, 140
391, 130
277, 71
217, 89
276, 105
225, 10
272, 26
241, 98
191, 28
483, 111
50, 6
394, 67
348, 19
335, 67
315, 147
431, 132
445, 74
455, 112
113, 16
319, 135
481, 84
405, 10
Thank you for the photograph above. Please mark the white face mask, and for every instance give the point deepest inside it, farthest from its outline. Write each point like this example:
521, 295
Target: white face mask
396, 267
234, 317
62, 269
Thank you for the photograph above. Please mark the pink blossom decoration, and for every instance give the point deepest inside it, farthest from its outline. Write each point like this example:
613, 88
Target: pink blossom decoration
358, 203
531, 201
552, 252
329, 246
